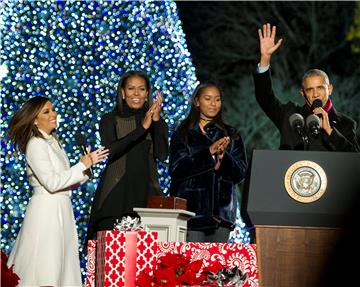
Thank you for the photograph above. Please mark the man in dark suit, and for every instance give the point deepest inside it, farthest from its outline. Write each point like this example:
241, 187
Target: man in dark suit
329, 130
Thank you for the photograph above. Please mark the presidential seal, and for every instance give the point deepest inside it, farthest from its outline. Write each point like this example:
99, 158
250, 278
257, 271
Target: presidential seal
305, 181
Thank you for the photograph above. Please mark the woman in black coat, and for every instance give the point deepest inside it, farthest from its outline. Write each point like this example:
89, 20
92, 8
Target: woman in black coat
136, 136
207, 161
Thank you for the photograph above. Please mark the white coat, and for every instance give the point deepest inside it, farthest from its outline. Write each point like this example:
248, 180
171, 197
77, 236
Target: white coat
46, 248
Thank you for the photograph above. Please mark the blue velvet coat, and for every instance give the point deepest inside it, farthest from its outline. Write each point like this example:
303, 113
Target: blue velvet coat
210, 193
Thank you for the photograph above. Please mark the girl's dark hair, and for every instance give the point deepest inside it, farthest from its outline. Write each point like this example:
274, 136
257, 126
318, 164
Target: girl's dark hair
22, 127
194, 115
122, 84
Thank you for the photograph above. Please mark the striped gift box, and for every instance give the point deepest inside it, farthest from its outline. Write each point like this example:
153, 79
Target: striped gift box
120, 257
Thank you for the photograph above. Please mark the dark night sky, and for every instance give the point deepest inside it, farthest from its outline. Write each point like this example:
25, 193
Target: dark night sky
196, 23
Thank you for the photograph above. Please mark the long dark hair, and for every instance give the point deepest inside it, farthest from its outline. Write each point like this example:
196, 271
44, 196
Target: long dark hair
22, 127
194, 115
122, 84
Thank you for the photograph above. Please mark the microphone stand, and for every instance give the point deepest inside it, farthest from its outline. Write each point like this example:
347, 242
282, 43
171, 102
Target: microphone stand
304, 137
305, 140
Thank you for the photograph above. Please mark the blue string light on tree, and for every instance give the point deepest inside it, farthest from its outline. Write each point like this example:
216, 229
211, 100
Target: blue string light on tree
74, 52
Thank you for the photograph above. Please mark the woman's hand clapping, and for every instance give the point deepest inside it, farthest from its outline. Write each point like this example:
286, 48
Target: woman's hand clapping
94, 157
218, 148
153, 114
157, 107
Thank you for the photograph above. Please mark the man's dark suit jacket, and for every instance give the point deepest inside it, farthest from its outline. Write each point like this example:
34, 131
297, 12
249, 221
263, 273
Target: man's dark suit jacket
342, 138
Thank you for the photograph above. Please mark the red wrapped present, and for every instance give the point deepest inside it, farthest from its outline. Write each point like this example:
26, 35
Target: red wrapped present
122, 255
90, 264
230, 255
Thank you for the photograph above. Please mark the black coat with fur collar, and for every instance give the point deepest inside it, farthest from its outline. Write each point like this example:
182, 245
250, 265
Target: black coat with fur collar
210, 193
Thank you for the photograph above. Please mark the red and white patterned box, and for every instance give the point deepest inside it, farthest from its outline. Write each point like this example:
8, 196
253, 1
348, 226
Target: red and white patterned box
230, 255
122, 255
90, 264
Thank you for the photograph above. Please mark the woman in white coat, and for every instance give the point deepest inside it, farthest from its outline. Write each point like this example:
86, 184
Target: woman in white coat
46, 249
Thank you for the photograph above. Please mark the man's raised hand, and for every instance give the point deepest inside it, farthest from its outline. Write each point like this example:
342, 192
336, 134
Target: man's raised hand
267, 43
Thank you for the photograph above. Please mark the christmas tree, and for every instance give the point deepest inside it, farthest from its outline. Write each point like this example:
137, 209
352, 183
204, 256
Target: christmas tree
74, 53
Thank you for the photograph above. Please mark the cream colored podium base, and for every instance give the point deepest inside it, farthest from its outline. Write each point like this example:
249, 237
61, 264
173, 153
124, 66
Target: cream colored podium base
171, 224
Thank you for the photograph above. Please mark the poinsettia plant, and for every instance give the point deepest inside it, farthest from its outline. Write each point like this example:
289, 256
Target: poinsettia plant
177, 270
8, 277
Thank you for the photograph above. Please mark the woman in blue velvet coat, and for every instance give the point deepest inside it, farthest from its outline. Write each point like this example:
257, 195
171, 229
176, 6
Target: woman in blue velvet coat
207, 161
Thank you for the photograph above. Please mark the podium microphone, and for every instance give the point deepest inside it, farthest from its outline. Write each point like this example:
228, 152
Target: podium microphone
81, 143
313, 124
297, 123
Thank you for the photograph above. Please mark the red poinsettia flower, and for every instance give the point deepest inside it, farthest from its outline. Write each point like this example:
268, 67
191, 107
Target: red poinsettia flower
190, 275
202, 277
194, 267
214, 267
174, 260
188, 278
144, 280
8, 277
165, 277
170, 259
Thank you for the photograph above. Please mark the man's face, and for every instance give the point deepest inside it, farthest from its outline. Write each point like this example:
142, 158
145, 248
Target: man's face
315, 87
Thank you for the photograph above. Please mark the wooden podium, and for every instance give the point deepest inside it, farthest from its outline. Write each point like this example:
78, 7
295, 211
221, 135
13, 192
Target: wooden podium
293, 255
296, 240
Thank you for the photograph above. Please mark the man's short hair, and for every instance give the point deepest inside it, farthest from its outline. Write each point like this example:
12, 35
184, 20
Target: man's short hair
315, 72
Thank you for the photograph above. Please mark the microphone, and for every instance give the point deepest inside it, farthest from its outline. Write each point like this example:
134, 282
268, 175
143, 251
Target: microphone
313, 124
297, 123
81, 142
316, 104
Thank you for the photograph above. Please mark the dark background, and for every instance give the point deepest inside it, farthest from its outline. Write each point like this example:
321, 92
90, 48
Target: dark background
223, 40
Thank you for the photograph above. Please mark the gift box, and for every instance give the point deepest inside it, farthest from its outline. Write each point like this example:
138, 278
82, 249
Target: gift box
230, 255
90, 264
122, 255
